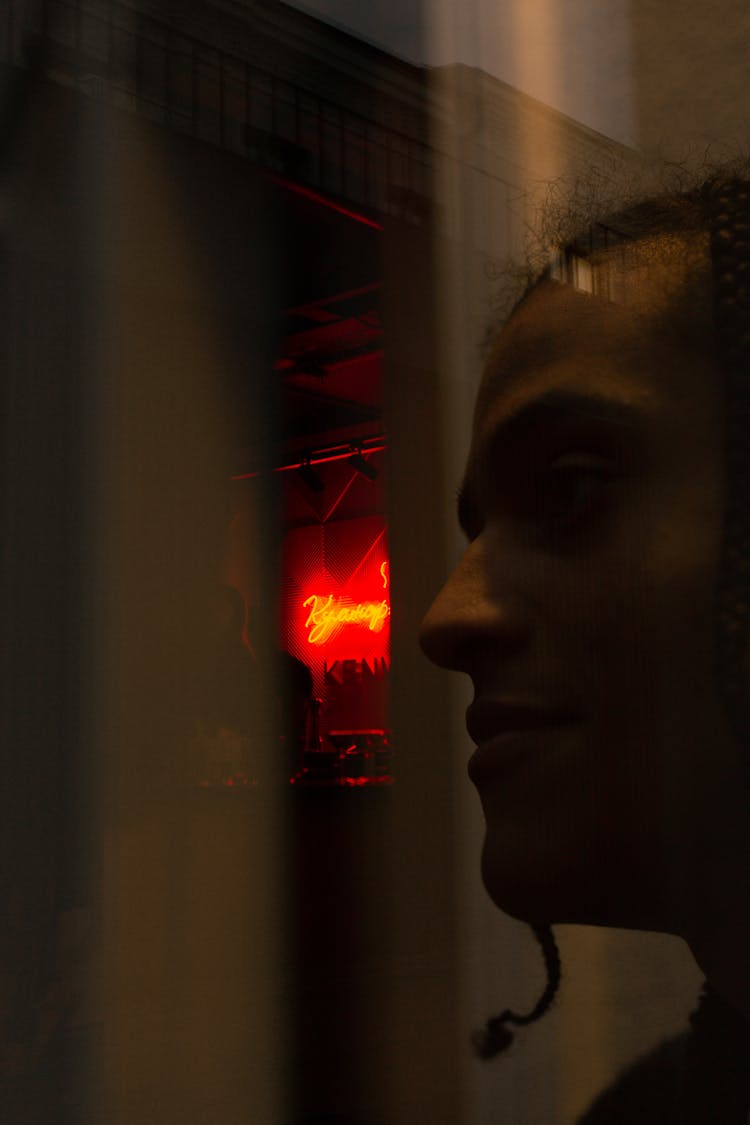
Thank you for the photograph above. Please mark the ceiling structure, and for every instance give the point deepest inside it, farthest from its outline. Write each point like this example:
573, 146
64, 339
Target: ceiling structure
330, 361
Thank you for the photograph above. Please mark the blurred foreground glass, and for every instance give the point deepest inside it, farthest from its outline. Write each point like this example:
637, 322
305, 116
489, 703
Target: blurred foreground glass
248, 263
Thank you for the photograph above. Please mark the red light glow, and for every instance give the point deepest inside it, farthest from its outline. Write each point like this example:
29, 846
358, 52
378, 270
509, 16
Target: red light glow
316, 197
336, 615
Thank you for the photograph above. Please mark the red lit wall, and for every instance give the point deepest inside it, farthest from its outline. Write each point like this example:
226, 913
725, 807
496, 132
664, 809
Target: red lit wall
335, 595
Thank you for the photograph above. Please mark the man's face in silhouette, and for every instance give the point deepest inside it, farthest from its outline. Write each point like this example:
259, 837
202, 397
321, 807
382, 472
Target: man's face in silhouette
583, 608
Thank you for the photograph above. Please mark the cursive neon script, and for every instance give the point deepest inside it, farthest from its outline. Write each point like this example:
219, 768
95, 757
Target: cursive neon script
328, 614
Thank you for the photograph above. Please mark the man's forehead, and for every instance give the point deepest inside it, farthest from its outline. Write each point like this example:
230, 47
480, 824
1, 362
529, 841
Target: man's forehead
623, 328
640, 275
558, 333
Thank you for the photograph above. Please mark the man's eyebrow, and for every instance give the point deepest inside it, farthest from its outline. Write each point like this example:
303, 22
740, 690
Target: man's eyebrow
563, 404
554, 406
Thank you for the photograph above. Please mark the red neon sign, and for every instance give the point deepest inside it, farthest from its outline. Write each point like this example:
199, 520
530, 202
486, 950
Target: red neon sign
329, 615
335, 583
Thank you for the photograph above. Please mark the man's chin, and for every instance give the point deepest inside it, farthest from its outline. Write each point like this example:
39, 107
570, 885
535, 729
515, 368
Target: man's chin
515, 887
537, 887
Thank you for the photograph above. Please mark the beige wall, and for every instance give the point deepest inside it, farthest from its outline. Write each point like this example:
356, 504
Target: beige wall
690, 76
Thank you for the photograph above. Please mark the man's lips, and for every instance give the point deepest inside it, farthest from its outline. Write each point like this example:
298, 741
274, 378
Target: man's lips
488, 719
508, 734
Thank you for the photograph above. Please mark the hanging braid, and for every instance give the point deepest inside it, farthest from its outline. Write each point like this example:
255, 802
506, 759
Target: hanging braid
495, 1037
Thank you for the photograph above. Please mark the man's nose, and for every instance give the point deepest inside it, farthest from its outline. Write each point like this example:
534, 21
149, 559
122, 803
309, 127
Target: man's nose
475, 616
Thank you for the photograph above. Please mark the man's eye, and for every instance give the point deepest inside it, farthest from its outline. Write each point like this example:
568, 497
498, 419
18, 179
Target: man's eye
567, 496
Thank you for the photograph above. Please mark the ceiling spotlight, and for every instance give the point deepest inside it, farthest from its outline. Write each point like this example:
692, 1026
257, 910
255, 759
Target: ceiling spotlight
362, 466
312, 479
